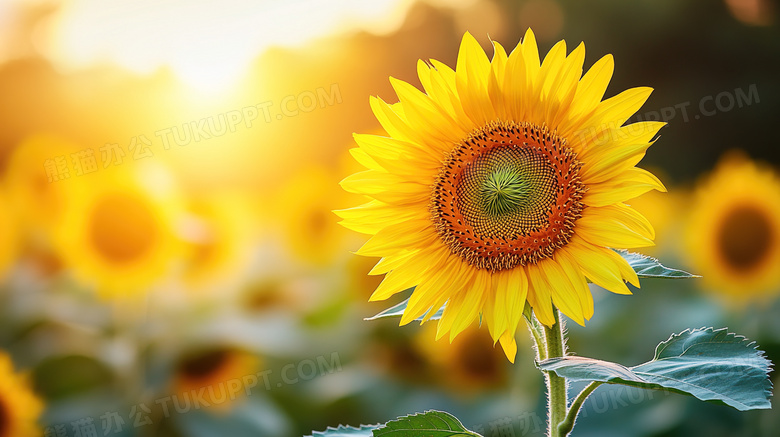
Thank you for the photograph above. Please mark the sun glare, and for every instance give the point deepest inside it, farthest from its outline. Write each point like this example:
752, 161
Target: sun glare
208, 45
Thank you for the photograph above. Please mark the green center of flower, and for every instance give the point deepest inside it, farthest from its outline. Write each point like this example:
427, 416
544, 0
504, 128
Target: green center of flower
503, 191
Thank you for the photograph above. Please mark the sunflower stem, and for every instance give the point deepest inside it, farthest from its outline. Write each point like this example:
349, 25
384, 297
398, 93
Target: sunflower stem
556, 385
565, 427
538, 334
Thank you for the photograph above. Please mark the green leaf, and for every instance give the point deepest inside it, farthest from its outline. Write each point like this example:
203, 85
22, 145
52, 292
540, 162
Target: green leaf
428, 424
398, 311
709, 364
648, 267
346, 431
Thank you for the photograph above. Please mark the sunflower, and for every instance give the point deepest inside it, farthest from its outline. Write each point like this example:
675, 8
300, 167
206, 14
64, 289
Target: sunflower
733, 232
503, 183
218, 236
9, 240
310, 230
117, 233
19, 407
35, 192
216, 369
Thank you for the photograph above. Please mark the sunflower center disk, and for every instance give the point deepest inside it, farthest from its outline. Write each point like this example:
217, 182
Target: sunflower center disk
745, 238
202, 366
508, 195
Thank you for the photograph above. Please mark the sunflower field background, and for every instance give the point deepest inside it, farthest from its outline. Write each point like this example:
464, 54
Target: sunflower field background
171, 265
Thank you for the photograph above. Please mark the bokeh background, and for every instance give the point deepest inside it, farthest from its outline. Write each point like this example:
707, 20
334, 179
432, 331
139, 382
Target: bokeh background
171, 265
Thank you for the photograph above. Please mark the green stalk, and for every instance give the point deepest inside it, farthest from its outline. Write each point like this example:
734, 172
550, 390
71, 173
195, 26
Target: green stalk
537, 332
556, 385
566, 426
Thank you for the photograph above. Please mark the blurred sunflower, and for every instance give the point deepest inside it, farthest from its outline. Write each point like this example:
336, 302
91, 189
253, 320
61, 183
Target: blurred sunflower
470, 363
19, 407
117, 233
213, 368
9, 238
219, 238
503, 182
399, 356
36, 183
305, 203
733, 232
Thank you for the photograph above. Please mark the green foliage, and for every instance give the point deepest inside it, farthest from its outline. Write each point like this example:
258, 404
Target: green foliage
428, 424
709, 364
63, 376
649, 267
346, 431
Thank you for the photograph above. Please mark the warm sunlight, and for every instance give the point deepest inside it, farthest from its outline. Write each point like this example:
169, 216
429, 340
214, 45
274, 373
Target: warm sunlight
209, 45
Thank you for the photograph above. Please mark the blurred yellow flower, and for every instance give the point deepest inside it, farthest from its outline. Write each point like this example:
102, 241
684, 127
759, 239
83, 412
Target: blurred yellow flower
219, 239
36, 183
503, 182
19, 407
733, 232
9, 237
213, 372
117, 233
305, 204
274, 294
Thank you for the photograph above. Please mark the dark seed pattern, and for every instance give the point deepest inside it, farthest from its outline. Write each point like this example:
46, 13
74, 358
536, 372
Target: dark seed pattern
508, 195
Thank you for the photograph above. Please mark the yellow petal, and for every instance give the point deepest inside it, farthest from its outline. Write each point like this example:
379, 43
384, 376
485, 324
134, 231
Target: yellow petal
608, 117
431, 289
373, 216
590, 91
531, 56
392, 148
471, 76
516, 294
605, 163
407, 275
509, 344
364, 159
577, 279
516, 84
563, 88
630, 184
389, 263
608, 226
542, 301
411, 234
423, 115
496, 81
551, 68
444, 92
393, 122
598, 266
563, 294
473, 302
